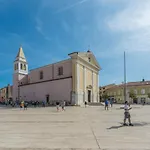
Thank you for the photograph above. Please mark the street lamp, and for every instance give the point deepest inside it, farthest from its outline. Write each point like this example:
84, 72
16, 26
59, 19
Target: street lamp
125, 77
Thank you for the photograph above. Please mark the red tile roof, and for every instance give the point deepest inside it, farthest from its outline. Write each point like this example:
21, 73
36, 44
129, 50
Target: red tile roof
130, 84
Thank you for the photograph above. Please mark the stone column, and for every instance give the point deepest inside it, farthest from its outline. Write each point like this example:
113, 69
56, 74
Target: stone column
19, 66
78, 83
93, 86
98, 88
85, 92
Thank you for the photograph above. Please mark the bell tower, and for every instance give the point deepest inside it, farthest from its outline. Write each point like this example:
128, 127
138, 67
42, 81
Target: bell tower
20, 71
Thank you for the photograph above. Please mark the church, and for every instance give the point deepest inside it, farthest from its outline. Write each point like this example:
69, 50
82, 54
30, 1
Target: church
74, 80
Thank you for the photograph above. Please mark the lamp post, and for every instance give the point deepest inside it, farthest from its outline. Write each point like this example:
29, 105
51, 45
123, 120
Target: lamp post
125, 88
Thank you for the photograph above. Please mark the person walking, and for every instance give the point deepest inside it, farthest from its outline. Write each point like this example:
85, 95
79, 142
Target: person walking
111, 102
106, 104
63, 105
21, 105
85, 103
127, 114
44, 104
57, 106
25, 105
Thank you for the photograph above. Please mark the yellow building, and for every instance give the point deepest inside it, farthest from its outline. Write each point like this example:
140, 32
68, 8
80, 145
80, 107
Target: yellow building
6, 92
136, 92
102, 91
85, 71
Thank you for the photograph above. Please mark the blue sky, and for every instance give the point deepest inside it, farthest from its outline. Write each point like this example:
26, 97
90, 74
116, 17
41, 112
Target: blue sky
50, 29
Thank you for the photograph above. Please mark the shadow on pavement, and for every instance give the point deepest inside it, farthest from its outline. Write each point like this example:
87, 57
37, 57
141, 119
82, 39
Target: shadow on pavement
140, 124
115, 127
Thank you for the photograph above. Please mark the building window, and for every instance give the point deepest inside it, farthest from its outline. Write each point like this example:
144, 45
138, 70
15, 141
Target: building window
41, 75
21, 66
89, 59
135, 92
143, 91
24, 66
60, 71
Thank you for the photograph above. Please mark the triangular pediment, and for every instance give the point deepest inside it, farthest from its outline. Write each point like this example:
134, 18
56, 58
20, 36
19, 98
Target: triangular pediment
89, 57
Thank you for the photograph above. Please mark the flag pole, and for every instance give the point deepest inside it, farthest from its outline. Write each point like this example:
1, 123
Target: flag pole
125, 76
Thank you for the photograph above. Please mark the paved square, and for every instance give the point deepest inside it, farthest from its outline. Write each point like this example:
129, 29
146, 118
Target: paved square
77, 128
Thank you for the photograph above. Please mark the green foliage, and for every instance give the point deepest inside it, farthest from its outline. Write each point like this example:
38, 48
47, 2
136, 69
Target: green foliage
148, 95
104, 96
132, 95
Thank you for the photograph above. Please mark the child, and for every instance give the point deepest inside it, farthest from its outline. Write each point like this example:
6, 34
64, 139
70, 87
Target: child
106, 104
127, 114
22, 105
57, 106
111, 102
25, 106
63, 106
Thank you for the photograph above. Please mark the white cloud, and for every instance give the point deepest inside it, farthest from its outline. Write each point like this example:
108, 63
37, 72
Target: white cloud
65, 26
71, 6
133, 24
134, 16
39, 25
39, 28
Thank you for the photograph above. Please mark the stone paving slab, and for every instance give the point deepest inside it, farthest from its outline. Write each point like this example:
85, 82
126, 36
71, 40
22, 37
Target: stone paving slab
77, 128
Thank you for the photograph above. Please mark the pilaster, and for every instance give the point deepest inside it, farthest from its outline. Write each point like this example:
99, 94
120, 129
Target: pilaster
77, 83
85, 92
92, 86
98, 88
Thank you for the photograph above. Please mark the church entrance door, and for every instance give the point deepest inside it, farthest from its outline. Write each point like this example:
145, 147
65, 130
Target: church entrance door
89, 96
47, 99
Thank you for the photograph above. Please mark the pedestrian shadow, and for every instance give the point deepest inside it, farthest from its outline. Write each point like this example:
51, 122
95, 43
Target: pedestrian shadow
139, 124
115, 127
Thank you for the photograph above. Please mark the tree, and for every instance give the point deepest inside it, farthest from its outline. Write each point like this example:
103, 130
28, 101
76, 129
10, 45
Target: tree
104, 96
132, 95
148, 95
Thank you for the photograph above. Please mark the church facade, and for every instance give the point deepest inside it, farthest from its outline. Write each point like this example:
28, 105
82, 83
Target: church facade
74, 80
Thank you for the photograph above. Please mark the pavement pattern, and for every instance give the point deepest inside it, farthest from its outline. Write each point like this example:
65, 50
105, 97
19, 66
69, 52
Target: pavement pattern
77, 128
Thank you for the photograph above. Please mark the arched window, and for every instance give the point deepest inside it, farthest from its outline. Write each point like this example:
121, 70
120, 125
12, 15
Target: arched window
17, 66
24, 66
143, 91
21, 66
41, 75
135, 91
